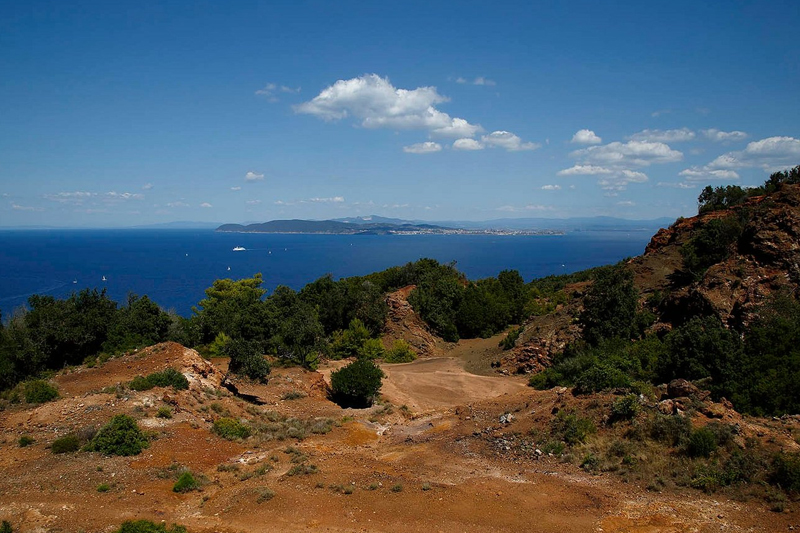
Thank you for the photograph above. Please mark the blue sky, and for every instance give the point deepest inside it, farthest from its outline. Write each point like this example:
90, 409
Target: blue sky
123, 113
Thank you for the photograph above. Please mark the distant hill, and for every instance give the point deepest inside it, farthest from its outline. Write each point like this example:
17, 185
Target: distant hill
332, 227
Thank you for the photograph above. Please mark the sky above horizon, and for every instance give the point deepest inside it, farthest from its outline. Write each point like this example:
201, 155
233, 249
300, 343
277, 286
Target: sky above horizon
119, 114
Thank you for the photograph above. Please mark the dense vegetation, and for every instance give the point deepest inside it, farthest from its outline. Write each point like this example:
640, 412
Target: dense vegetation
724, 197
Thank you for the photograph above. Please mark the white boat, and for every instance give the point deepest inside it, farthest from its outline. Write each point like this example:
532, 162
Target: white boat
229, 268
104, 278
239, 249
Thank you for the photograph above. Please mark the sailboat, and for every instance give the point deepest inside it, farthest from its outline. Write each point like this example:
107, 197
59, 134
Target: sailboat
104, 278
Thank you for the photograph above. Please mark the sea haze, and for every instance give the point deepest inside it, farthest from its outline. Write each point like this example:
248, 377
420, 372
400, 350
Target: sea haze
174, 267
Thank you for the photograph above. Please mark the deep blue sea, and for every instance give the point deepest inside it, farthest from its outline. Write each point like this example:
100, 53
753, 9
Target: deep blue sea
174, 267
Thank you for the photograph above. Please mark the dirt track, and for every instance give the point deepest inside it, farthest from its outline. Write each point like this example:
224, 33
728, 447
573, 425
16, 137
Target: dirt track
437, 466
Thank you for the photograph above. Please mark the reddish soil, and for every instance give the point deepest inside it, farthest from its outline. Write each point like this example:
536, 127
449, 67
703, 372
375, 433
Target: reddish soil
436, 465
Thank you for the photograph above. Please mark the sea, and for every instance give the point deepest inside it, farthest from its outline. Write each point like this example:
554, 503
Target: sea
174, 267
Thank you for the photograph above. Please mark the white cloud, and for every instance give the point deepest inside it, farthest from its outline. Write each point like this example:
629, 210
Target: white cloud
147, 186
664, 136
551, 187
529, 207
177, 204
376, 103
236, 188
770, 154
423, 148
253, 176
632, 153
585, 137
508, 141
724, 136
676, 185
705, 173
480, 80
121, 196
269, 91
584, 170
253, 202
333, 200
206, 205
660, 112
17, 207
467, 144
626, 203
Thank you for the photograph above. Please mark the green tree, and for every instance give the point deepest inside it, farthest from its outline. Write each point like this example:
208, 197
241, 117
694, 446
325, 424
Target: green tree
610, 306
140, 323
356, 384
234, 308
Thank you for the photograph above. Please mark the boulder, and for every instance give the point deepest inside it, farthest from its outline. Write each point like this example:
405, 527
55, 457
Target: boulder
681, 388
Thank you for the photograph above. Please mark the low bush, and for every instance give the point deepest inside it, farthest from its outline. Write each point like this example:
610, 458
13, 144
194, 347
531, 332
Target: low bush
5, 527
25, 440
186, 483
785, 472
66, 444
167, 378
625, 408
702, 443
164, 412
672, 430
103, 487
121, 436
247, 359
401, 352
265, 494
39, 391
571, 428
601, 377
146, 526
356, 384
230, 428
510, 340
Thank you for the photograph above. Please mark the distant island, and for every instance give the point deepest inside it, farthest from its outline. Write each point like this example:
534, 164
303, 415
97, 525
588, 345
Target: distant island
338, 227
377, 225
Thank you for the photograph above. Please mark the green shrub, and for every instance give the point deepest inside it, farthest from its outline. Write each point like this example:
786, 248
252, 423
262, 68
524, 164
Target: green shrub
66, 444
217, 346
25, 440
401, 352
5, 527
302, 470
571, 428
230, 428
626, 407
601, 377
164, 412
510, 340
39, 391
356, 384
186, 483
397, 488
371, 349
146, 526
265, 494
293, 395
785, 472
121, 436
103, 487
702, 443
672, 430
247, 359
167, 378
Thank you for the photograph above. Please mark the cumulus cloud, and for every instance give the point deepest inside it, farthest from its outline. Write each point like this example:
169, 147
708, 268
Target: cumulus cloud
331, 200
17, 207
147, 186
480, 80
376, 103
508, 141
253, 176
423, 148
676, 185
706, 173
585, 137
81, 197
632, 153
772, 153
271, 90
724, 136
236, 188
664, 136
206, 205
551, 187
467, 144
584, 170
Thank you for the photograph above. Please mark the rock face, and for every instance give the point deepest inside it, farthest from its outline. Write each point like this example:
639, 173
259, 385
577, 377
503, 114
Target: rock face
403, 323
765, 259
